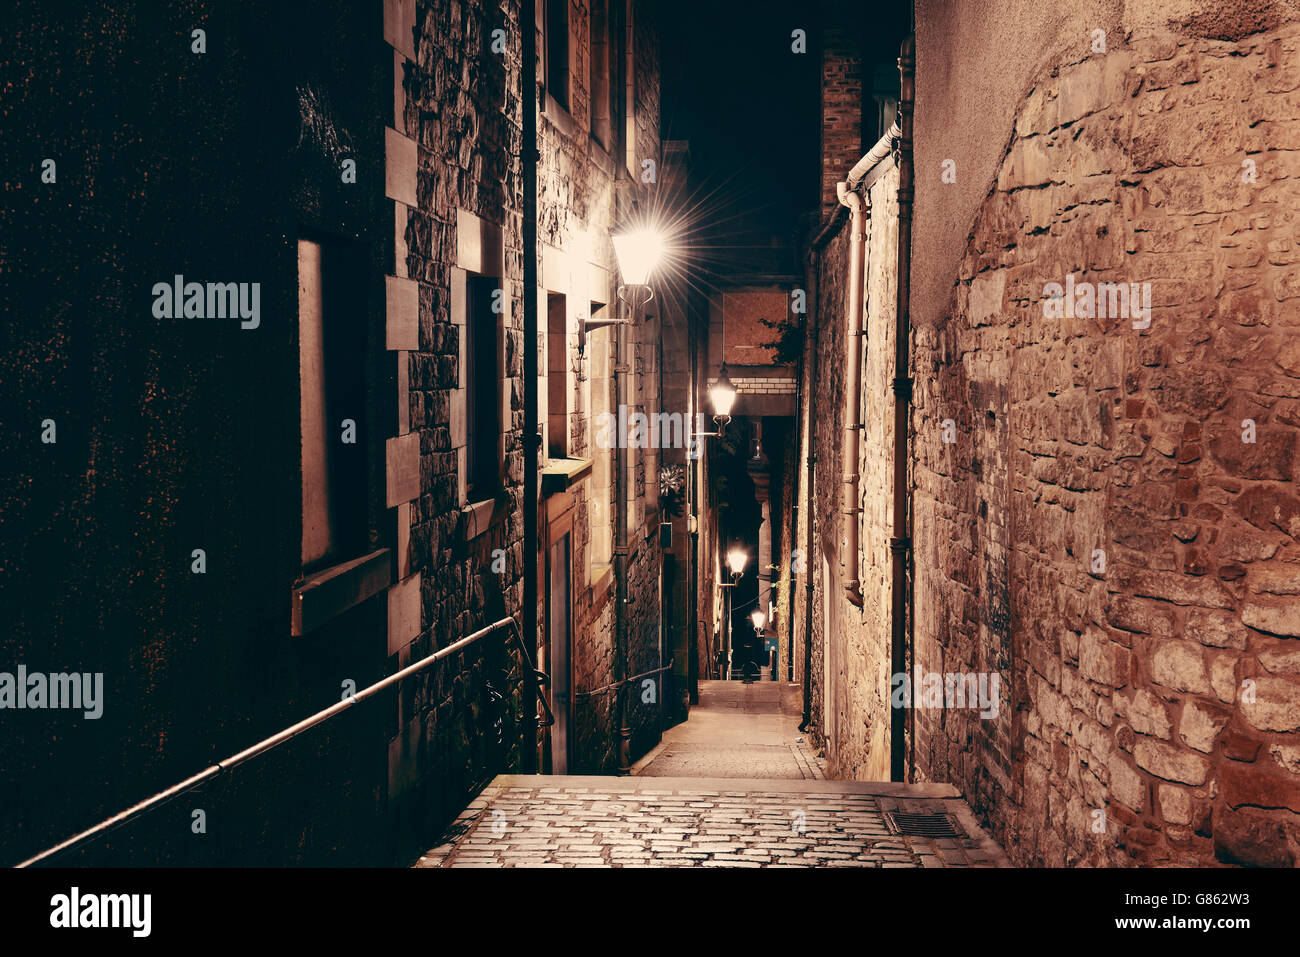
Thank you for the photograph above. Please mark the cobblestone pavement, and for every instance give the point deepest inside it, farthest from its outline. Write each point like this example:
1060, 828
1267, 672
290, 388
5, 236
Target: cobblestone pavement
734, 786
559, 821
737, 731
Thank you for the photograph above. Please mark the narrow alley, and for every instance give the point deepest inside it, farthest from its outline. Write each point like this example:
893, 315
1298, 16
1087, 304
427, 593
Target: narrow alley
738, 730
499, 434
734, 786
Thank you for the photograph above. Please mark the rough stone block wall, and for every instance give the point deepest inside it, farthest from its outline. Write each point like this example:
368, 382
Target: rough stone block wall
858, 649
867, 756
575, 189
785, 582
462, 109
1099, 532
576, 200
646, 558
827, 395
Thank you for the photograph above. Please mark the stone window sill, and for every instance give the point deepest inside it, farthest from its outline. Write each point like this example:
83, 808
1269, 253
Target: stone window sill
330, 592
477, 517
560, 475
599, 153
559, 117
602, 586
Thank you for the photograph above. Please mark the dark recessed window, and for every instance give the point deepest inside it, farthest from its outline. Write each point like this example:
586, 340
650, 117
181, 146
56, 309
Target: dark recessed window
482, 388
557, 376
602, 93
331, 366
557, 51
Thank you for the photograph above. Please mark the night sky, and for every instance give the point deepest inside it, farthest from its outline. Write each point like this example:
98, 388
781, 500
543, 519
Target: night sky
750, 108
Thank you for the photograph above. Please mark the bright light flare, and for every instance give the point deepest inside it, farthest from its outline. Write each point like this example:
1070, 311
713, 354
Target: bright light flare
639, 252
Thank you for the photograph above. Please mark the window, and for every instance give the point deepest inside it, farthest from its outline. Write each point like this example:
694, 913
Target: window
629, 87
331, 350
482, 388
557, 376
602, 93
557, 51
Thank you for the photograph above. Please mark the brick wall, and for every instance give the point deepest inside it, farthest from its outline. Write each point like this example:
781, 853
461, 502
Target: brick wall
841, 109
1160, 692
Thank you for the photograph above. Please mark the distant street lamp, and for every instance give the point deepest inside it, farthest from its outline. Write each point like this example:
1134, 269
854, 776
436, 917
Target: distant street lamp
759, 619
723, 396
736, 559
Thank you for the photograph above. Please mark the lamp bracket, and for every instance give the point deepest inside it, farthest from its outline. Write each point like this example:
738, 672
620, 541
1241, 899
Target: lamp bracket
628, 295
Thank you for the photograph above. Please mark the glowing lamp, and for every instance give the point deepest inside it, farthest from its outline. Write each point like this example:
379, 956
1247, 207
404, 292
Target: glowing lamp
723, 395
638, 252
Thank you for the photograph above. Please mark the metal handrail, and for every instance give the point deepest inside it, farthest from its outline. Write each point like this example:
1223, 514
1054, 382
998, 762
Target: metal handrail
176, 790
626, 681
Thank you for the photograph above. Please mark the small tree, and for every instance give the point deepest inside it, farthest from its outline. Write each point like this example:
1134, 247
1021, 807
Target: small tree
788, 345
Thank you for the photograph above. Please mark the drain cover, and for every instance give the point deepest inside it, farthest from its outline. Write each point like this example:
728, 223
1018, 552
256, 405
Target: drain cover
922, 825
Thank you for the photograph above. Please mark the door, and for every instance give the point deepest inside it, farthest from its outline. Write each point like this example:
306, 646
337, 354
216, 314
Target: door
559, 639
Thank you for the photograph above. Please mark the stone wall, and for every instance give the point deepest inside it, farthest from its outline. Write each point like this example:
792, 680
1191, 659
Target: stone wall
827, 395
458, 102
181, 434
851, 689
580, 201
1100, 533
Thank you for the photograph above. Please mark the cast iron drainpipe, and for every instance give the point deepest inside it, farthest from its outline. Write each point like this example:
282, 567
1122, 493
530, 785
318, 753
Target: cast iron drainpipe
852, 386
538, 679
901, 544
531, 439
619, 345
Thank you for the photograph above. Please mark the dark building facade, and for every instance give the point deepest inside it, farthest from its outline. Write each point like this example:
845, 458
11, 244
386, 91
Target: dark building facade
240, 511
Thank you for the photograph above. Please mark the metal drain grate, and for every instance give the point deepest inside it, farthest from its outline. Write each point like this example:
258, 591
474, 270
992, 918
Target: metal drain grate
922, 825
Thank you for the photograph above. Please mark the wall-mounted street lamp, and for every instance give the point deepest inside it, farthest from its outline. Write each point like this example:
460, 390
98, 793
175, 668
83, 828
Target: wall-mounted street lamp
723, 396
736, 559
639, 252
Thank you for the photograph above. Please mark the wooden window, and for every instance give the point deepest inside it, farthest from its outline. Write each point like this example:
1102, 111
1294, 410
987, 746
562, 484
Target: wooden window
331, 366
